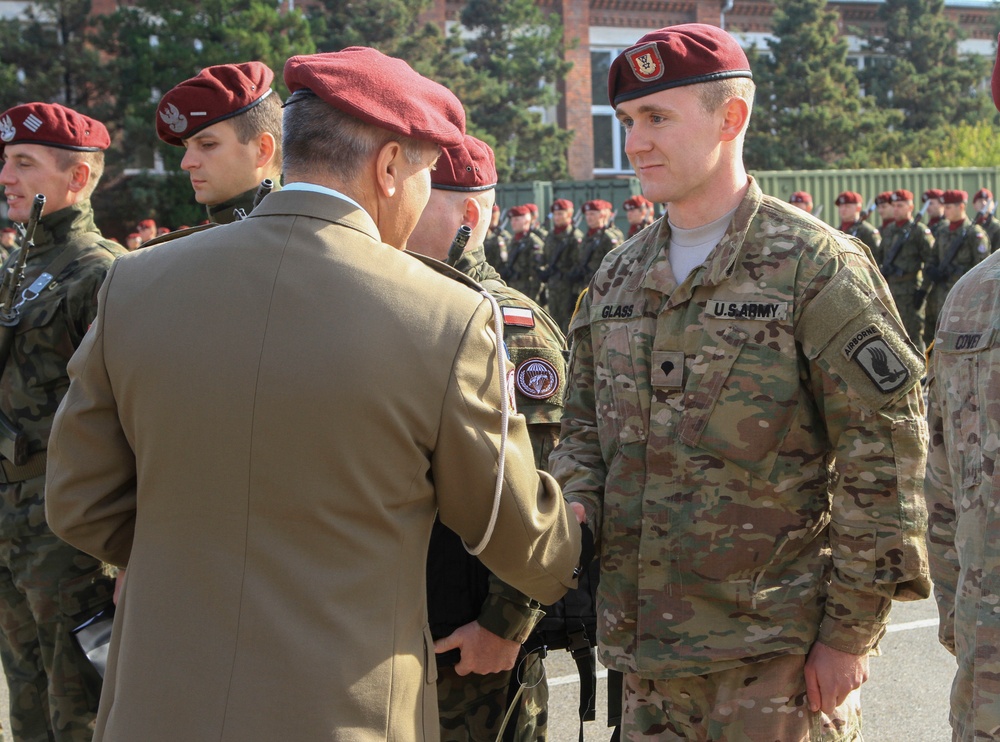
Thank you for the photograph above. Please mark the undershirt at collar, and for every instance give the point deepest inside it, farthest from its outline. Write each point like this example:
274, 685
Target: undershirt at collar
689, 248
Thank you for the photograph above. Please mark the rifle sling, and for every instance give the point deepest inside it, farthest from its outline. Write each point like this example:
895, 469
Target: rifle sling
897, 246
33, 467
956, 243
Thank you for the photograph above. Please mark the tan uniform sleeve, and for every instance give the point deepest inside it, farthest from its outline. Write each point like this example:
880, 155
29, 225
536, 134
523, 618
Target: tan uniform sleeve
535, 546
90, 485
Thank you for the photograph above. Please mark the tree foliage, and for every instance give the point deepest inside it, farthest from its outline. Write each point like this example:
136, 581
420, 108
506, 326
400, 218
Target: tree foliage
808, 111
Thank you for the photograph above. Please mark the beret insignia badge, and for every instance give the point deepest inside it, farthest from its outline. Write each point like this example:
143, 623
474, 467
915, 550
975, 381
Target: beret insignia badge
7, 130
173, 118
646, 63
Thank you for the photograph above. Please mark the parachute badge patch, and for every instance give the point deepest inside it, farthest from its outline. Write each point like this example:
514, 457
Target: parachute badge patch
537, 378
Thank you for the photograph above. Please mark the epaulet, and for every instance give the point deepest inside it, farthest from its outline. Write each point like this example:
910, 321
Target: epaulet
446, 270
176, 234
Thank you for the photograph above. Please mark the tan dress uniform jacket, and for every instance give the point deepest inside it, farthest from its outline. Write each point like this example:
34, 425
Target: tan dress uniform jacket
261, 425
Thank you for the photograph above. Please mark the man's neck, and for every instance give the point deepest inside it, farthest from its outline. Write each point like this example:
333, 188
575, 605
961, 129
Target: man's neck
710, 203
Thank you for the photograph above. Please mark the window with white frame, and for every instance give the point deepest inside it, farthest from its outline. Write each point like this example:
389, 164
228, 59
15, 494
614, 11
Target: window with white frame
609, 137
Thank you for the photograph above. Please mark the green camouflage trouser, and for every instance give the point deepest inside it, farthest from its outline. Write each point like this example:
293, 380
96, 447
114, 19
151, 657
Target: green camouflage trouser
760, 702
472, 707
46, 588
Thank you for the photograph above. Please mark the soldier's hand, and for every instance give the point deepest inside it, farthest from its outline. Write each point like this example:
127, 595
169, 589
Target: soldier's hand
579, 511
482, 651
831, 675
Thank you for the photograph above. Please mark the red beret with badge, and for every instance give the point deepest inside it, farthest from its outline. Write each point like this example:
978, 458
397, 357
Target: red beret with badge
901, 194
52, 125
932, 193
215, 94
983, 193
848, 197
147, 224
675, 56
597, 205
379, 90
469, 166
562, 204
954, 196
800, 197
521, 210
884, 197
636, 202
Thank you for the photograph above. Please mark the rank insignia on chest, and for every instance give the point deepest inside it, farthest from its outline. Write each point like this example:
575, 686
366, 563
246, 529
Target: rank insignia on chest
518, 316
870, 351
536, 378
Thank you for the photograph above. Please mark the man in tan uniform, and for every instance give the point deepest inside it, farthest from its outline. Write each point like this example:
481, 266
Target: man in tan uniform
263, 422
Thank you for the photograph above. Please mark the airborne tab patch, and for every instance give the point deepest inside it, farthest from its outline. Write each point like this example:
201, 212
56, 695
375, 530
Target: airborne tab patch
518, 316
869, 350
742, 309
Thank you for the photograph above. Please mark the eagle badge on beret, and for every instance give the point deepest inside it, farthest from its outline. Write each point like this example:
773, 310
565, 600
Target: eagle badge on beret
7, 130
173, 118
646, 62
537, 378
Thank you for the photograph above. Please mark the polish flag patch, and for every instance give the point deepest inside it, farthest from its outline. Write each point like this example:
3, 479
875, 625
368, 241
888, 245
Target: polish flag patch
518, 316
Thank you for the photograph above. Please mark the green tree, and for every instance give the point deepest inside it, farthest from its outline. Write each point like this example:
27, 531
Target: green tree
518, 53
44, 55
917, 69
381, 24
808, 113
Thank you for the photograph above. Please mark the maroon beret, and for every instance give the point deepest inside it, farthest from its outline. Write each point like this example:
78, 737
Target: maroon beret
147, 223
518, 211
901, 194
984, 193
996, 79
214, 94
935, 193
134, 235
468, 166
52, 125
533, 208
381, 91
800, 197
8, 230
675, 56
848, 197
954, 196
562, 204
884, 197
636, 202
597, 205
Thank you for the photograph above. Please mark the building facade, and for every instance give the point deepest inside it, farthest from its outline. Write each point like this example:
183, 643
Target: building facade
603, 28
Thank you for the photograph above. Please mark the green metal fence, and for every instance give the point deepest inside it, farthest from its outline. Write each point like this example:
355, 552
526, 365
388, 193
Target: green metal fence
824, 185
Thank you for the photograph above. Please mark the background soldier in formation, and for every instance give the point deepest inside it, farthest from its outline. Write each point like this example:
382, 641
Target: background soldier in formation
496, 241
959, 246
932, 204
639, 212
849, 205
228, 119
48, 587
883, 204
803, 200
562, 247
601, 238
904, 255
524, 253
986, 218
472, 613
721, 413
536, 223
8, 241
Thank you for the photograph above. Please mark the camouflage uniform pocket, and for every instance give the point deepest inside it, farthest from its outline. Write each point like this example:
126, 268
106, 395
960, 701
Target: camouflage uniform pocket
619, 402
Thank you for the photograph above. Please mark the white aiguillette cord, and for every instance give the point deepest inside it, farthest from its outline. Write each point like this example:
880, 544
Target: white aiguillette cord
504, 419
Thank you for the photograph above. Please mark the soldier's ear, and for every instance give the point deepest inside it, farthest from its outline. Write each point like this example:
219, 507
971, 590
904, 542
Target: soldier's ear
472, 214
265, 148
79, 176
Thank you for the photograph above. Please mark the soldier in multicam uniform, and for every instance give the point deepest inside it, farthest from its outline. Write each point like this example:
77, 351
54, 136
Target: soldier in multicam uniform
524, 253
853, 223
960, 245
904, 256
470, 609
48, 586
986, 218
962, 491
600, 239
639, 212
562, 245
496, 241
228, 119
743, 431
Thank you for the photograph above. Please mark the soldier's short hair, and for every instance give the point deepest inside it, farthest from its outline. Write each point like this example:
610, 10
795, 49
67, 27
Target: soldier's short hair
317, 136
716, 92
263, 118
